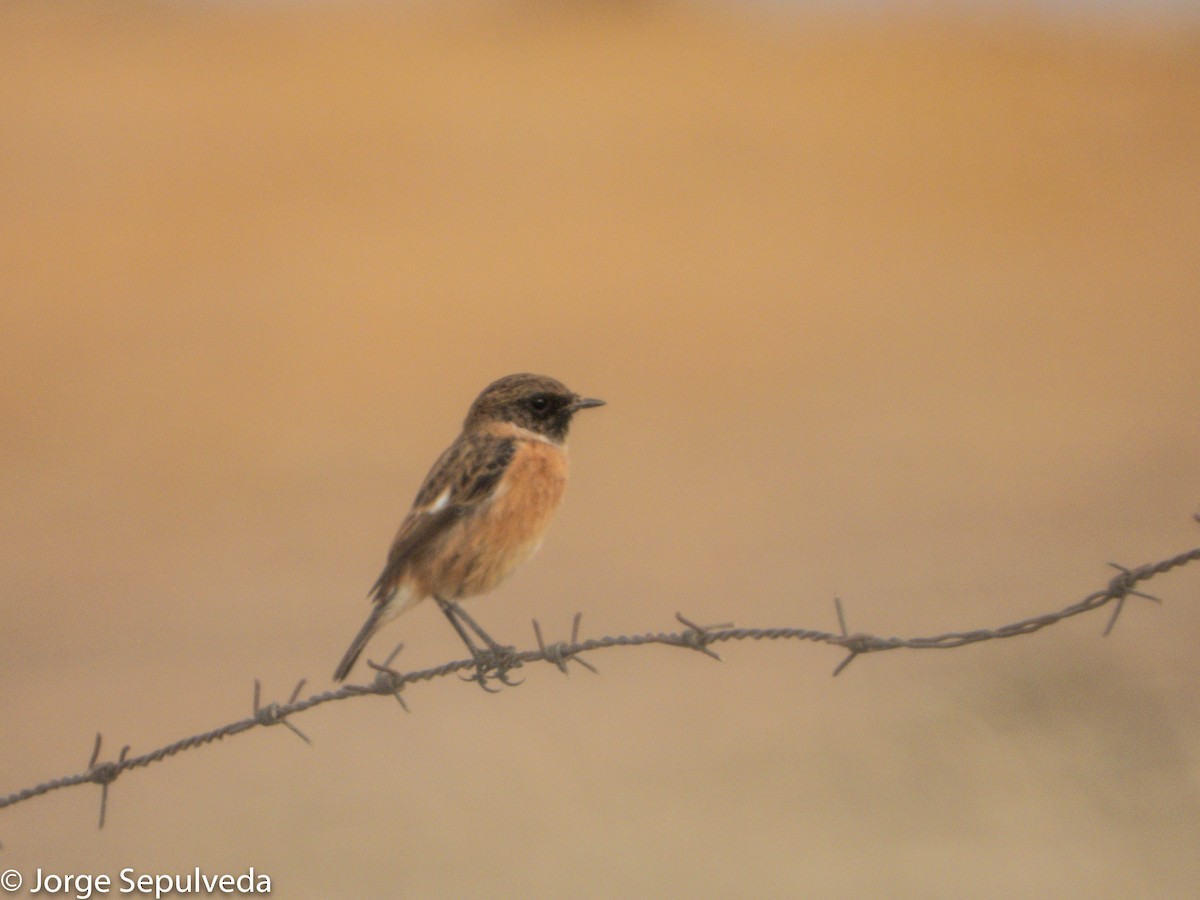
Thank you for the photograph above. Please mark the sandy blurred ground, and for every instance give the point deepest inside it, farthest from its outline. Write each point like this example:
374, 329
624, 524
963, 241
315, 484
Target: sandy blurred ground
899, 310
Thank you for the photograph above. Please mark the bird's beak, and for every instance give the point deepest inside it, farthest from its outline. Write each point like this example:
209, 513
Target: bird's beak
584, 403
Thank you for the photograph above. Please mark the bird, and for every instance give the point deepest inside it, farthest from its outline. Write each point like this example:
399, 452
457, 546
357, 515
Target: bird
482, 510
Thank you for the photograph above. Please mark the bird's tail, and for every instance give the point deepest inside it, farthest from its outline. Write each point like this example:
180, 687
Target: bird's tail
374, 620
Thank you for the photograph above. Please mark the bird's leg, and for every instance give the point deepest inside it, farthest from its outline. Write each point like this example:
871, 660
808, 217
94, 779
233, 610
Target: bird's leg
474, 626
496, 657
449, 610
503, 657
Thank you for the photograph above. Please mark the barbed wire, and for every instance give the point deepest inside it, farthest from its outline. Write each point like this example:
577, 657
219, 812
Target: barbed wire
496, 666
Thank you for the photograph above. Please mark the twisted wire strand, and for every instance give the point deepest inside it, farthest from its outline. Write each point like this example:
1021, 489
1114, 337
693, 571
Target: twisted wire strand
695, 637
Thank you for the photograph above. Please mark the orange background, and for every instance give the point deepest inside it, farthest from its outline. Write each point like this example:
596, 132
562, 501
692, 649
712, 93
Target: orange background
901, 310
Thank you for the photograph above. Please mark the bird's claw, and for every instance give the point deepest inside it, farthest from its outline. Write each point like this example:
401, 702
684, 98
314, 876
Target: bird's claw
494, 664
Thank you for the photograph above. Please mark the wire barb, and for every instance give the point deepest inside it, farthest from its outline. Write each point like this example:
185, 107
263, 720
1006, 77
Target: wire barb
841, 614
562, 652
698, 637
104, 774
1121, 587
296, 693
857, 645
274, 714
575, 623
850, 657
387, 679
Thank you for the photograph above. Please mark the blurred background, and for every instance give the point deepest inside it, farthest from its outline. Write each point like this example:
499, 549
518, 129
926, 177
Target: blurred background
894, 307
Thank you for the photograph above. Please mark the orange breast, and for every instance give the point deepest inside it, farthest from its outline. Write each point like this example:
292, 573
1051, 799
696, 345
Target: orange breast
484, 548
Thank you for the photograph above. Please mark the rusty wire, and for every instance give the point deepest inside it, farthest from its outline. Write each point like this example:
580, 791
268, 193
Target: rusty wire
389, 681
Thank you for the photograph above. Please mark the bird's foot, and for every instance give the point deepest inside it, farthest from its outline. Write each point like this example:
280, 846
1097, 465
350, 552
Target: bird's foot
494, 664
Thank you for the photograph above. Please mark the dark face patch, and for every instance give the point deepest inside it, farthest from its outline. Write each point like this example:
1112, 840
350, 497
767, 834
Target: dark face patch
536, 402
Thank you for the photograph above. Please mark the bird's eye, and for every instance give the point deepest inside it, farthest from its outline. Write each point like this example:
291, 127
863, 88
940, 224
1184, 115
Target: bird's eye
539, 403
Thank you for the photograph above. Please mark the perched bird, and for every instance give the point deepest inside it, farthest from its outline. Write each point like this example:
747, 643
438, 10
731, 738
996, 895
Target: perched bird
483, 509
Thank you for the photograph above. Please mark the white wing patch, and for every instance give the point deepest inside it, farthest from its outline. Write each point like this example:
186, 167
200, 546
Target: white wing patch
442, 499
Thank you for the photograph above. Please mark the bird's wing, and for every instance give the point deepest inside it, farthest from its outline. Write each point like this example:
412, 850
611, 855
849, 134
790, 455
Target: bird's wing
464, 478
